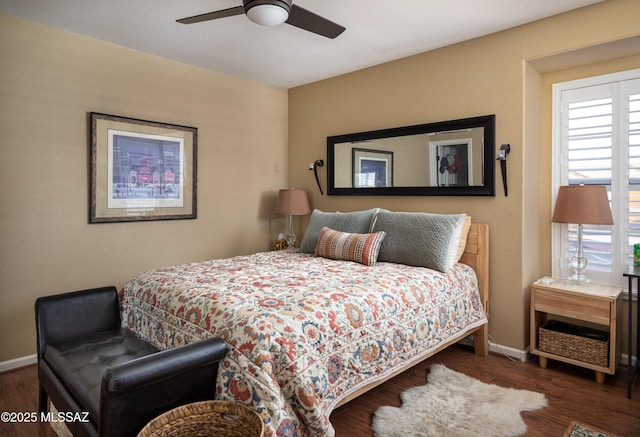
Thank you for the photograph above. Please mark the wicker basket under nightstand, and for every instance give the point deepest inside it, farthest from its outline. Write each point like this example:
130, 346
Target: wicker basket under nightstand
575, 342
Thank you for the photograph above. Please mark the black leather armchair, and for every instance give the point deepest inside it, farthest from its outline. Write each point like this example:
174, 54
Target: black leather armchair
88, 363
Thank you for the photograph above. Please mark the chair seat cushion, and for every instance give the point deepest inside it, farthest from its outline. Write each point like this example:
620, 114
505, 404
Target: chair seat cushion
82, 361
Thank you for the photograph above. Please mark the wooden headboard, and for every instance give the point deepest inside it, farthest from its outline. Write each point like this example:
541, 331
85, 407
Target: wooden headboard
476, 256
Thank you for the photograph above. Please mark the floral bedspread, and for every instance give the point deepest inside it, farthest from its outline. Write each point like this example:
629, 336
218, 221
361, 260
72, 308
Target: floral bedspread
302, 332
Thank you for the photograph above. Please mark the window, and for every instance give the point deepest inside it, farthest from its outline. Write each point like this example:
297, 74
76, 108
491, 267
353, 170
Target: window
596, 140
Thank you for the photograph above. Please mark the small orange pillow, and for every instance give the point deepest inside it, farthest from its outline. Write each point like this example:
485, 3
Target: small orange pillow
345, 246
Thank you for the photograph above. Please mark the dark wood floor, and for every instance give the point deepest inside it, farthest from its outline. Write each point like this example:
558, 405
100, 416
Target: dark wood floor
572, 394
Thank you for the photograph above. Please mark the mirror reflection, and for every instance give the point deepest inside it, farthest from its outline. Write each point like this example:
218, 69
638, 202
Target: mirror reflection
444, 158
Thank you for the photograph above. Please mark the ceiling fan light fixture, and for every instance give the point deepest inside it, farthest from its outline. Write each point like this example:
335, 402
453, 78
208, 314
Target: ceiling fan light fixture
267, 13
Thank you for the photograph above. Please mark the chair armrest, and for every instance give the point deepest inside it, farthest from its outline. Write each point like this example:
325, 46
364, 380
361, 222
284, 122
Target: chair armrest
65, 316
135, 392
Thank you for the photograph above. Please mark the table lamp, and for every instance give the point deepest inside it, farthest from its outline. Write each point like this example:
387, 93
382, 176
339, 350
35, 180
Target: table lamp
292, 202
582, 205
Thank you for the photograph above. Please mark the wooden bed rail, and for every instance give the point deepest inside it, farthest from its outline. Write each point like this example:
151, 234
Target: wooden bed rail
476, 256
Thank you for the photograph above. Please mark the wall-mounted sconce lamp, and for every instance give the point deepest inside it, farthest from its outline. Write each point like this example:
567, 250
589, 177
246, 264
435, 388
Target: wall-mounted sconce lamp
502, 157
314, 166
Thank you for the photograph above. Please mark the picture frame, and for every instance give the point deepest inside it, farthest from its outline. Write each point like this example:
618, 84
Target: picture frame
141, 170
372, 168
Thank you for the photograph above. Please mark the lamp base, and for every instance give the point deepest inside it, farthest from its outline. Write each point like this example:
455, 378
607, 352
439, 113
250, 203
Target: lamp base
291, 242
579, 278
579, 264
291, 237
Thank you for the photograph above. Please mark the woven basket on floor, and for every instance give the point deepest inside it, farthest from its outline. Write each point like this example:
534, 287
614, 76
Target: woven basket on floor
204, 419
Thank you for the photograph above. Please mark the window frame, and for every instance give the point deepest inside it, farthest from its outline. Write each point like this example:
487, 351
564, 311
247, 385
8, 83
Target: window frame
619, 86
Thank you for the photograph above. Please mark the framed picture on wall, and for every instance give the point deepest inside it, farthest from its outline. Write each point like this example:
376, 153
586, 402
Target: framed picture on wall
141, 170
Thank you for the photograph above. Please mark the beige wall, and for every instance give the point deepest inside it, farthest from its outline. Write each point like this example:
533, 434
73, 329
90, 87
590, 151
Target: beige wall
495, 74
49, 81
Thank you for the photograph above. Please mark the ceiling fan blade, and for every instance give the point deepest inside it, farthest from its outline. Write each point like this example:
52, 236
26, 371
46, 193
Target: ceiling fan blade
238, 10
307, 20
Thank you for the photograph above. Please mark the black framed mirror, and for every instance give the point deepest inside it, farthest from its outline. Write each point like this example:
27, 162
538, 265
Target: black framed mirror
446, 158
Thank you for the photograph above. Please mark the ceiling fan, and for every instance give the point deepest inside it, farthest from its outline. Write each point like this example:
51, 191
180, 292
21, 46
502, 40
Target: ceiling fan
272, 13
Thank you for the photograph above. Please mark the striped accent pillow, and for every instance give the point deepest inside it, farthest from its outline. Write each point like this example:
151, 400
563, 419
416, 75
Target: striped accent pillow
345, 246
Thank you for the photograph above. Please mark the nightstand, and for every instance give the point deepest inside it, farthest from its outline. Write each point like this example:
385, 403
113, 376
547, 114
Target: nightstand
589, 308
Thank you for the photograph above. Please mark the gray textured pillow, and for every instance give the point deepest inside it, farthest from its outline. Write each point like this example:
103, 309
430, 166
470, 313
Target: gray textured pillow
357, 222
419, 239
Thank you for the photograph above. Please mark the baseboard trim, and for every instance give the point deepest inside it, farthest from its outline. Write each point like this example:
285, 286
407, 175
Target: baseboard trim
518, 354
624, 360
16, 363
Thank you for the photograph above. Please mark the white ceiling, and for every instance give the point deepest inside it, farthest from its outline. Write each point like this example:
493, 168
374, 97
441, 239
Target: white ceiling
377, 31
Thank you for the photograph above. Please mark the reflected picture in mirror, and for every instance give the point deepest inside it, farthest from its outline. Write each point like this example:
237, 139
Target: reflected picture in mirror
371, 168
445, 158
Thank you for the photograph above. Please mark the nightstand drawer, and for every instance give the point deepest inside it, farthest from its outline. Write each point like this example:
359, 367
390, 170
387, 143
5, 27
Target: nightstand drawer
590, 309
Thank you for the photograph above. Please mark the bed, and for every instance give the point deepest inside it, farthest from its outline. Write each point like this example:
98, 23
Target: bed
307, 332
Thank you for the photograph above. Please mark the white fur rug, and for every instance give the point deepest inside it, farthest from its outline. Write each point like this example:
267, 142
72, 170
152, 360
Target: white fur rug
453, 404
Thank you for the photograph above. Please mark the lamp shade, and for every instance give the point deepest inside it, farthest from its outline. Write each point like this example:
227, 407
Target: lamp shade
582, 204
292, 202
